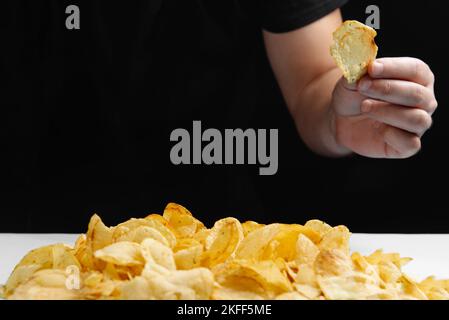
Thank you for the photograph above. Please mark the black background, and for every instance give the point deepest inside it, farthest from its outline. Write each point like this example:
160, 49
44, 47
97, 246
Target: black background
93, 78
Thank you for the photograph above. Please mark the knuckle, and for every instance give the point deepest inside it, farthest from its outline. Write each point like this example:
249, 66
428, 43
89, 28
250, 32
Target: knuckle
418, 96
433, 105
386, 88
423, 120
421, 68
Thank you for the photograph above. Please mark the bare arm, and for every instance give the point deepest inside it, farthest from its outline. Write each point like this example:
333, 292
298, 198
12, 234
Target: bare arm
307, 76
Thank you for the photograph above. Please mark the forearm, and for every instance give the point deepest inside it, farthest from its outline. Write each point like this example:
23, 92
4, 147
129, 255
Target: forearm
314, 117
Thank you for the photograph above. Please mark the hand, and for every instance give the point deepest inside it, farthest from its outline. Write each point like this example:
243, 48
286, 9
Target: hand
387, 112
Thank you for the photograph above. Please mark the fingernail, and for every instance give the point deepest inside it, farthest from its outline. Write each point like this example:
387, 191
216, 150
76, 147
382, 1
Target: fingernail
377, 68
366, 107
365, 84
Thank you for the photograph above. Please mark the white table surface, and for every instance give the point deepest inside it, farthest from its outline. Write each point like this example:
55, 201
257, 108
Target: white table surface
430, 253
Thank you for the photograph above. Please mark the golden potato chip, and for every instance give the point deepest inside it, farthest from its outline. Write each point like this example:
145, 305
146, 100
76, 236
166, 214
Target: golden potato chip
154, 251
411, 288
64, 257
283, 244
306, 275
21, 274
141, 233
249, 226
47, 284
134, 228
41, 256
389, 272
431, 283
222, 241
336, 238
351, 286
306, 250
362, 265
200, 280
181, 220
379, 256
253, 246
123, 253
98, 235
318, 226
308, 291
136, 289
331, 262
266, 274
180, 285
189, 258
158, 218
354, 49
57, 256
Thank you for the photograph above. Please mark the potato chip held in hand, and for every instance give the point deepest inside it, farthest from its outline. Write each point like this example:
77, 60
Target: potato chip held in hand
354, 49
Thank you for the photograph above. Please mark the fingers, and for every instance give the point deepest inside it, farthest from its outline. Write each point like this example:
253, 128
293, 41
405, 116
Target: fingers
400, 144
413, 120
410, 69
399, 92
346, 99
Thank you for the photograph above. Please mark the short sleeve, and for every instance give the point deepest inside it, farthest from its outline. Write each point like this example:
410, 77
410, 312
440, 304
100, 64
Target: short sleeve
286, 15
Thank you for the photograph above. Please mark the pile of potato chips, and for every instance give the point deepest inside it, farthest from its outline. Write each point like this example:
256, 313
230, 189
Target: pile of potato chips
174, 256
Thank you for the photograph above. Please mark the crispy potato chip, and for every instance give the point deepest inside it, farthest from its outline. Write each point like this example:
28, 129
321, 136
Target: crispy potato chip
189, 258
336, 238
273, 241
123, 253
308, 291
141, 233
181, 220
21, 274
158, 218
47, 284
136, 289
264, 275
98, 235
222, 241
306, 250
133, 228
411, 288
64, 257
306, 275
389, 272
154, 251
253, 246
331, 262
354, 49
351, 286
283, 244
249, 226
42, 256
318, 226
183, 284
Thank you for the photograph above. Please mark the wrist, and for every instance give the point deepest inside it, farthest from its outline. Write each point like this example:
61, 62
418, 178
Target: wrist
335, 147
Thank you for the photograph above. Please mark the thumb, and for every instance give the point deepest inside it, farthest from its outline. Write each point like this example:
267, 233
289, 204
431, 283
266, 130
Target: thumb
346, 100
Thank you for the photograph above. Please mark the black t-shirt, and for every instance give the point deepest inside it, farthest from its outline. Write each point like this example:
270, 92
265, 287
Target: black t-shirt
87, 114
